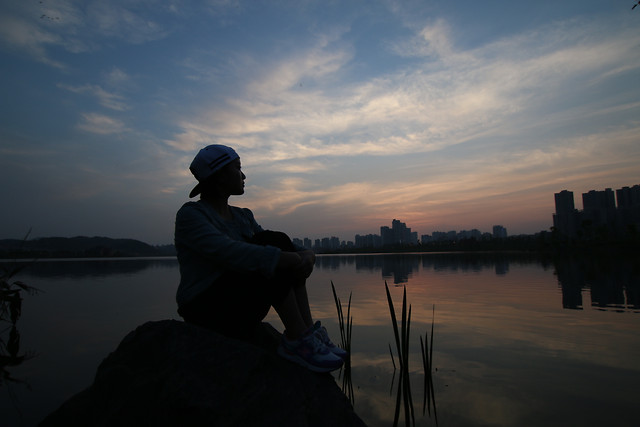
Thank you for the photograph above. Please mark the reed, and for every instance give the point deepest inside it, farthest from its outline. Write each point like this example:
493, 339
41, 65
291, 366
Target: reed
346, 327
401, 336
10, 312
426, 347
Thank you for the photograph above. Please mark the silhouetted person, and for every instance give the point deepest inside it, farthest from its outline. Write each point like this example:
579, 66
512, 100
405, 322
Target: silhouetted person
232, 271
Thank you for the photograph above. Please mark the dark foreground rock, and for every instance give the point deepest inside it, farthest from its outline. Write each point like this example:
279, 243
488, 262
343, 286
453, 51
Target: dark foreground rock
169, 373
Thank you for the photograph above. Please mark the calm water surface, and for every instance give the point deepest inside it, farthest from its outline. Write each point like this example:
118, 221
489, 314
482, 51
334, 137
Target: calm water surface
517, 341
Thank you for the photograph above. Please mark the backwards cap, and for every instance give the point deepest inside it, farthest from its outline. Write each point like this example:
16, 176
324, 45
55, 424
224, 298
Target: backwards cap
208, 161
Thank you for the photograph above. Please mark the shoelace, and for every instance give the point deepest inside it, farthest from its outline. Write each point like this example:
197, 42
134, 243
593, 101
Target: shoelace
316, 344
324, 336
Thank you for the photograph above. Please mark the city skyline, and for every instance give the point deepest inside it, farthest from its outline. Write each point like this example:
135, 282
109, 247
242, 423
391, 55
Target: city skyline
604, 213
397, 235
600, 207
447, 115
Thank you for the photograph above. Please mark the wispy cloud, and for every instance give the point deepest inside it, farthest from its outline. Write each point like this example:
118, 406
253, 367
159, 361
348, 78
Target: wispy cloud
453, 97
34, 28
107, 99
100, 124
120, 20
26, 37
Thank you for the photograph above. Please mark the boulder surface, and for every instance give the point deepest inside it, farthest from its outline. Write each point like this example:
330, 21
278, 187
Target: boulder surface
170, 373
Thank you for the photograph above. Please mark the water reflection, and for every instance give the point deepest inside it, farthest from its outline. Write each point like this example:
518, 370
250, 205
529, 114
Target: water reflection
10, 311
510, 348
614, 282
96, 268
400, 267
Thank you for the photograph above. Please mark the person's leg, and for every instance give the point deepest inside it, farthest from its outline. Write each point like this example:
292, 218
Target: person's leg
301, 343
289, 313
302, 300
293, 309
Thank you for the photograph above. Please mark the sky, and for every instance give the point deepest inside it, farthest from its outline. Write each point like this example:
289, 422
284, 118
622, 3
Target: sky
346, 114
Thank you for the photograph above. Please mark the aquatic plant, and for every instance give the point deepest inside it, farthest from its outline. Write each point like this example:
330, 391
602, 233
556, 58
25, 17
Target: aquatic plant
402, 346
10, 311
345, 325
426, 346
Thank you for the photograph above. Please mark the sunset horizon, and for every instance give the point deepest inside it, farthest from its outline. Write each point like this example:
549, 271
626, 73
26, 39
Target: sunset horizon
345, 115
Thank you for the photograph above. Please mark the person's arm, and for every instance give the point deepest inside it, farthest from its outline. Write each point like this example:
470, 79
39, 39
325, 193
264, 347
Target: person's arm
196, 231
299, 264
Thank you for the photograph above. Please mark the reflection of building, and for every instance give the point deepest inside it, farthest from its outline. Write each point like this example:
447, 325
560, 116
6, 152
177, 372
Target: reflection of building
502, 267
399, 267
614, 283
571, 280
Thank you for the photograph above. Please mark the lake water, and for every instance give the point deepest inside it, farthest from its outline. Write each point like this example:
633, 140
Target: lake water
518, 341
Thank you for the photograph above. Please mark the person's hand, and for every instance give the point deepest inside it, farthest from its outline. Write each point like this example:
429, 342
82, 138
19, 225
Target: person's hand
308, 261
308, 256
298, 264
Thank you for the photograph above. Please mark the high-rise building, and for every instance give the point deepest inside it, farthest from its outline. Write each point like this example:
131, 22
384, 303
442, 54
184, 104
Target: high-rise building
368, 241
398, 234
599, 208
307, 243
499, 232
600, 216
564, 202
386, 235
565, 220
628, 197
628, 213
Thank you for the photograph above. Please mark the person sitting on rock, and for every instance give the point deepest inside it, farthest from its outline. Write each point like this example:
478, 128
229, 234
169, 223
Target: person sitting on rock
232, 270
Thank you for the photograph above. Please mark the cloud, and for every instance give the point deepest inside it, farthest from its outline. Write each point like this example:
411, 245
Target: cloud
107, 99
117, 78
462, 96
78, 28
121, 21
100, 124
23, 36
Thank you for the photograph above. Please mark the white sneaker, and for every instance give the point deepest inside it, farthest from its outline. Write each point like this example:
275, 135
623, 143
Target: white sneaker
321, 332
310, 352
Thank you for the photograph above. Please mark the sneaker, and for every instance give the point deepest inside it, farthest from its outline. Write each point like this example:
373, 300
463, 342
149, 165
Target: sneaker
321, 332
309, 352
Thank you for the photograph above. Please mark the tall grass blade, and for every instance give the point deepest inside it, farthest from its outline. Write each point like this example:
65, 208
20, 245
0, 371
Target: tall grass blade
394, 322
392, 360
426, 378
402, 338
346, 328
433, 393
396, 335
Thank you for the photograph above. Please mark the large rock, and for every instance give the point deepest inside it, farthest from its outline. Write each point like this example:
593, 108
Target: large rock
170, 373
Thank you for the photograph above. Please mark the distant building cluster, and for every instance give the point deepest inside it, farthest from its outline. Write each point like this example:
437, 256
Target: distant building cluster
398, 235
499, 232
601, 216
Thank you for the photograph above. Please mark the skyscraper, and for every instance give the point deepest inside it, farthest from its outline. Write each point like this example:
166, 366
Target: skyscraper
565, 220
599, 208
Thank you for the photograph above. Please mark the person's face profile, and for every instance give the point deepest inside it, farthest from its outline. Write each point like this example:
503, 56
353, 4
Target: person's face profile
230, 178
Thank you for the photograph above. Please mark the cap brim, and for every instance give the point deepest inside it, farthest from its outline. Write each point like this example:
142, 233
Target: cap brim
195, 191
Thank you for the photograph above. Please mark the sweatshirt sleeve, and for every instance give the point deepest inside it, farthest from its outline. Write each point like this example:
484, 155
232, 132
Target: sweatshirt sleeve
196, 231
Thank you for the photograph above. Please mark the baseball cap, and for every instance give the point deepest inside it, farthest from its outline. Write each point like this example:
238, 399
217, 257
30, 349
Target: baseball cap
208, 161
